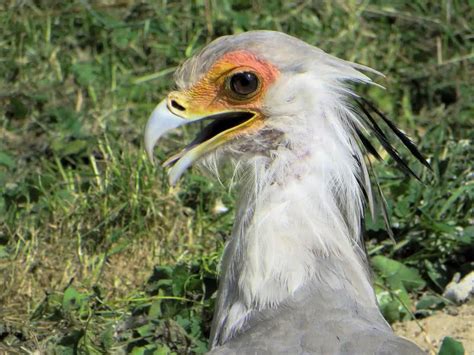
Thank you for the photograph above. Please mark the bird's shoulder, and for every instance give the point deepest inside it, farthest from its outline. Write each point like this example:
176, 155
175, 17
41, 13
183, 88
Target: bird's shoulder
305, 327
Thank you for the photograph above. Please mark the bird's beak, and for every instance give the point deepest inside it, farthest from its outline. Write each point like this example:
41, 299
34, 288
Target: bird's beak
161, 121
223, 127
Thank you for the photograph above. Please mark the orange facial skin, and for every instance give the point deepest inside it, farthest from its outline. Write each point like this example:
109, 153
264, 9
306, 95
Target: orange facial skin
214, 94
211, 93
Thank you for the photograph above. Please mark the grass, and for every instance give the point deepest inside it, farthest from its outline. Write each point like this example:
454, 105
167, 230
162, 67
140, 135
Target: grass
98, 254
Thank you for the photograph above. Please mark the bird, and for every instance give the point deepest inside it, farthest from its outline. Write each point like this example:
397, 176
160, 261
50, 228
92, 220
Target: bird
294, 276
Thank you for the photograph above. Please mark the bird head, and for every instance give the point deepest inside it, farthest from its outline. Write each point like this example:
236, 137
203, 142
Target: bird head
255, 91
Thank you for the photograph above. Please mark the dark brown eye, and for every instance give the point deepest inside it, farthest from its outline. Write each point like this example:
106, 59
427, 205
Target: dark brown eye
244, 84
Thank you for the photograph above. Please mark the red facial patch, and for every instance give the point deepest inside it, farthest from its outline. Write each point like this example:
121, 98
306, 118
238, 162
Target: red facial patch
210, 93
233, 60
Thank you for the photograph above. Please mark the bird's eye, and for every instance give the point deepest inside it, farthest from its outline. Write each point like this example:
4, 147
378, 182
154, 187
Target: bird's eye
244, 83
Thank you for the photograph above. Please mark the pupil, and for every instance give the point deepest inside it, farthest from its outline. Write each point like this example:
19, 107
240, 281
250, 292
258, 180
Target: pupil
244, 83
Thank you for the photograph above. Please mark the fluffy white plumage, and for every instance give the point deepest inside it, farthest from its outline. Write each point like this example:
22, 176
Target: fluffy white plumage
302, 198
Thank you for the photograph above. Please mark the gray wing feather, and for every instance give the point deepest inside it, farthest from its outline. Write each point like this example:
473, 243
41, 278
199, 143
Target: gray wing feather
319, 320
294, 331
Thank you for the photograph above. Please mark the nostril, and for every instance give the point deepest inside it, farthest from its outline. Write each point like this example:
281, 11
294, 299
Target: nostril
177, 106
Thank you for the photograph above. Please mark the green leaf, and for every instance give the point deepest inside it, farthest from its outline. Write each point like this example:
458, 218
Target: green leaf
441, 227
155, 310
391, 311
86, 72
67, 120
467, 235
162, 350
18, 107
395, 305
72, 299
151, 349
430, 302
145, 330
138, 351
451, 346
4, 254
455, 195
65, 196
396, 274
107, 337
122, 37
7, 160
403, 208
68, 343
395, 302
65, 148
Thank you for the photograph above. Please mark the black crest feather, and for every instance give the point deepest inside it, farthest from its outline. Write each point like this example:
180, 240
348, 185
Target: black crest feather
407, 142
369, 114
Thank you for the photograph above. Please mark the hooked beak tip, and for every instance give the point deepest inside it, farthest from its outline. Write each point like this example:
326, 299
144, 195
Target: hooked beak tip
149, 150
161, 121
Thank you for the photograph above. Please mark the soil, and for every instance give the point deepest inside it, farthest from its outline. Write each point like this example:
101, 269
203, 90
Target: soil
429, 332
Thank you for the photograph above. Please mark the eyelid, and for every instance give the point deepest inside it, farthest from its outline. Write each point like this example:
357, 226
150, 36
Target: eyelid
235, 70
225, 73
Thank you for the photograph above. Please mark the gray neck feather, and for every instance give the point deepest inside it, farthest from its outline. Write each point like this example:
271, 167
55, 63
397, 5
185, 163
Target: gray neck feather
292, 226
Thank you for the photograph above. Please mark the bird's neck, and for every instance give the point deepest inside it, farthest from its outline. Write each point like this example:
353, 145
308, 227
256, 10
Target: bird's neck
301, 207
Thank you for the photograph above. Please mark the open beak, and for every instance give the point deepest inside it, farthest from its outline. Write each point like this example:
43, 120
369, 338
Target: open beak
223, 127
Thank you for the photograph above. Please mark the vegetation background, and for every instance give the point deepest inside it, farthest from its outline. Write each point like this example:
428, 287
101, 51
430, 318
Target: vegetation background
98, 254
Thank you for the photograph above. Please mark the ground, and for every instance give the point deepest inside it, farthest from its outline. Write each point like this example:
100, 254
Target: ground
428, 333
